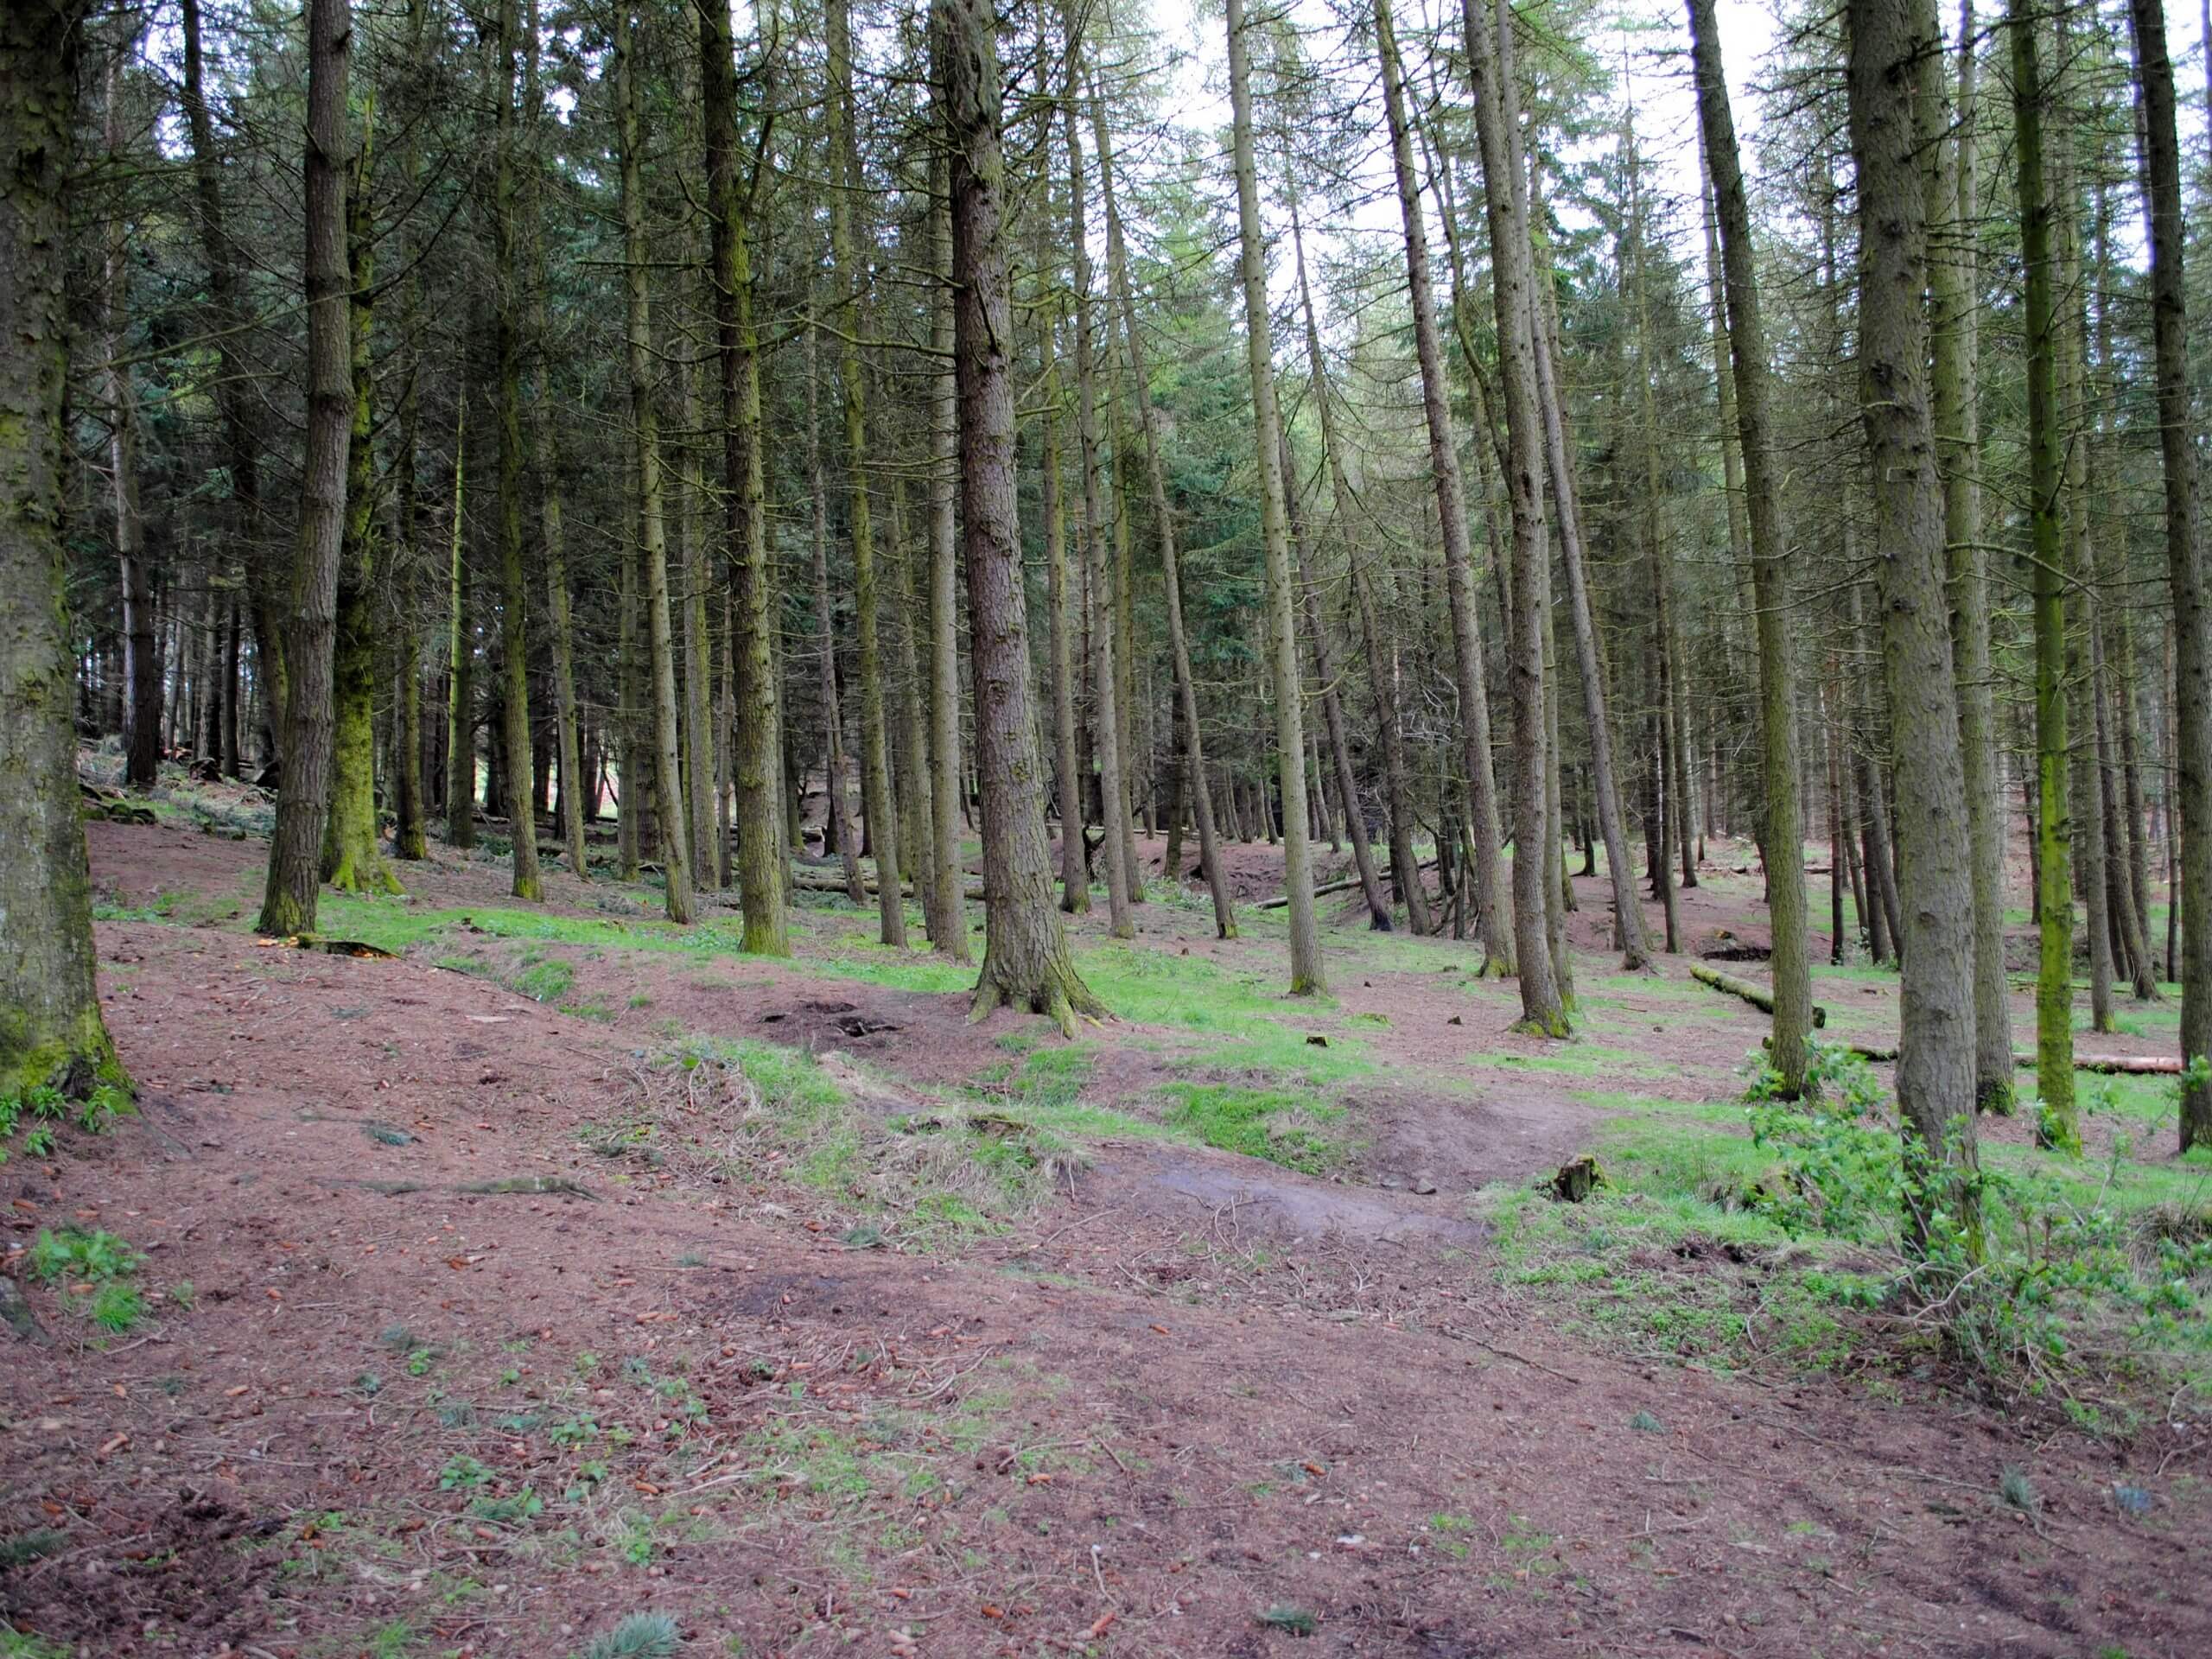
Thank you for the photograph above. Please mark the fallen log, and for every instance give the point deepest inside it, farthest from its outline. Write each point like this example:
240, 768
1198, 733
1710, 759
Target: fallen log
2123, 1065
1324, 890
1757, 995
809, 881
2130, 1066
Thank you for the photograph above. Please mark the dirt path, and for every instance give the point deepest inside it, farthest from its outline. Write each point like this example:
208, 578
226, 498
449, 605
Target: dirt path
1192, 1406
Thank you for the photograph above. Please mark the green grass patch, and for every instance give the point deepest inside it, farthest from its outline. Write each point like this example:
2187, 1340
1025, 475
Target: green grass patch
1280, 1125
1250, 1020
1739, 1236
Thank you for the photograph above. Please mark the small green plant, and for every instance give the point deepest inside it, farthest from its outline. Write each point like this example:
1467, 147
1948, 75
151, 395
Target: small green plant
115, 1308
1294, 1621
640, 1635
525, 1505
2017, 1491
74, 1254
463, 1474
21, 1644
33, 1545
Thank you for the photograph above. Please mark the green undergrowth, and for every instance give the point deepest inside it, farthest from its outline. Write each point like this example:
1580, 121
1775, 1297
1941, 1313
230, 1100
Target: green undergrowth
34, 1124
1288, 1127
1769, 1233
1244, 1013
1576, 1058
95, 1275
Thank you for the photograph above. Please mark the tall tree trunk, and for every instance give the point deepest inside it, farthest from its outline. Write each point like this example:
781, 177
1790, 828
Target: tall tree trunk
1783, 832
1492, 899
1543, 1008
288, 903
1332, 714
142, 658
837, 812
409, 519
1839, 832
1635, 945
233, 390
910, 730
539, 437
1444, 468
514, 592
1954, 220
948, 920
232, 758
1193, 746
876, 800
1125, 650
353, 856
51, 1034
695, 643
1672, 778
757, 755
1026, 961
2083, 674
1105, 699
658, 744
2046, 473
1307, 974
461, 668
2192, 623
1381, 665
1075, 874
1936, 1053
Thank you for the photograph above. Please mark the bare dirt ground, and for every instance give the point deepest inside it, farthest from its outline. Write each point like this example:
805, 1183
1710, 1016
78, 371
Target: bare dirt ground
440, 1364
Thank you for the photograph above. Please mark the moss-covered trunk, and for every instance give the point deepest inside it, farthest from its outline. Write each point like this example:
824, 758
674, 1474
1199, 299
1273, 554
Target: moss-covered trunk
50, 1028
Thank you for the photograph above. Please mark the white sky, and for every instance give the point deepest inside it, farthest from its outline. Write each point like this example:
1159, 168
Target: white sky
1666, 121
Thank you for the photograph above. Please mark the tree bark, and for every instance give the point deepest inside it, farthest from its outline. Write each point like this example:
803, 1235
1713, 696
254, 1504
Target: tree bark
288, 904
1449, 489
1381, 665
1105, 699
460, 687
757, 753
1635, 944
514, 590
1935, 1078
1332, 714
948, 922
838, 810
659, 737
227, 319
1768, 536
352, 855
1307, 977
1075, 875
1954, 220
51, 1034
142, 659
1543, 1008
1026, 960
2046, 471
2185, 559
1193, 746
876, 799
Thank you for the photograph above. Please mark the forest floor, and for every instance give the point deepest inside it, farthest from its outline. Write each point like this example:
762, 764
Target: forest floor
564, 1267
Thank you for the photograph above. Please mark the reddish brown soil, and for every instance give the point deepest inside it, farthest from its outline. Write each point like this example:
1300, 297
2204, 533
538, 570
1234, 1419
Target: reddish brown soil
1196, 1389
